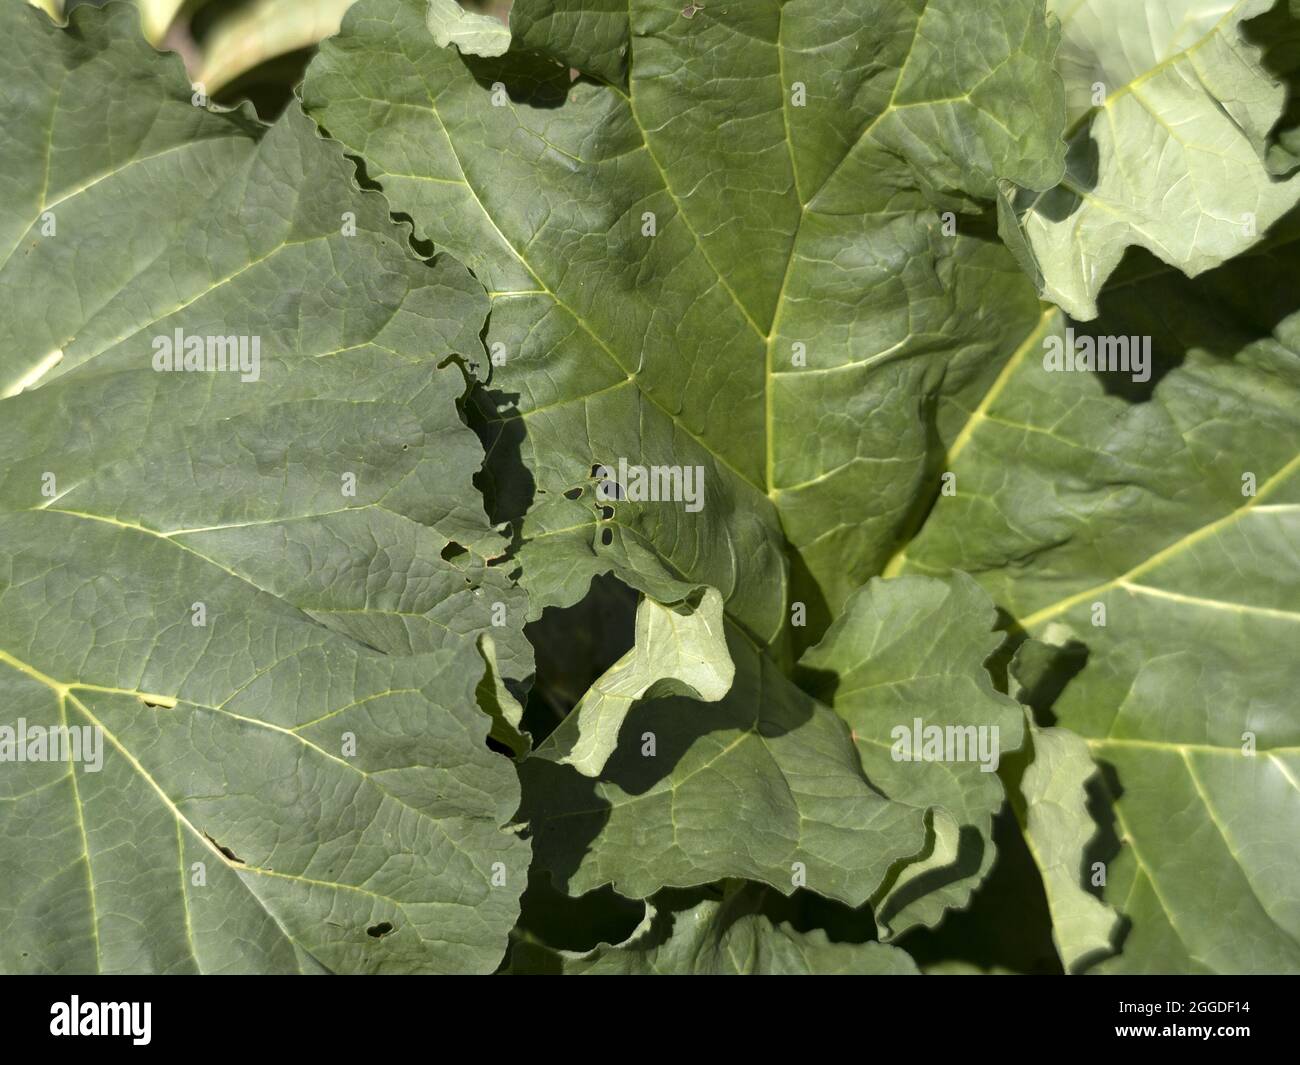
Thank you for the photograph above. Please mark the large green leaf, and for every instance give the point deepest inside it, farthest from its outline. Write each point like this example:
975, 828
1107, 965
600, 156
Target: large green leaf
742, 930
801, 323
1150, 530
764, 785
294, 771
913, 650
1169, 109
781, 306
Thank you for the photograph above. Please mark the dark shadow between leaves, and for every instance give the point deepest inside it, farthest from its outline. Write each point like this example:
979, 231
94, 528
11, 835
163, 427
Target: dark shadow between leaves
1219, 313
574, 646
998, 664
270, 85
1082, 167
1277, 34
804, 589
1047, 676
566, 812
1007, 924
970, 854
578, 924
527, 77
1103, 790
505, 481
804, 911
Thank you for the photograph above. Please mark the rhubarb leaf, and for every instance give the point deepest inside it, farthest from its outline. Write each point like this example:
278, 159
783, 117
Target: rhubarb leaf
1170, 107
263, 589
1148, 530
907, 656
751, 304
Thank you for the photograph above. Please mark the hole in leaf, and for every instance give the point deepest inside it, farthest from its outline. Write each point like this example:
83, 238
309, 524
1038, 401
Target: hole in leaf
607, 536
610, 489
378, 931
573, 493
226, 851
606, 513
453, 550
158, 702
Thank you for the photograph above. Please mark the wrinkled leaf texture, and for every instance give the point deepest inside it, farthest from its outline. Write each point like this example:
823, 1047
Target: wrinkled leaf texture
229, 828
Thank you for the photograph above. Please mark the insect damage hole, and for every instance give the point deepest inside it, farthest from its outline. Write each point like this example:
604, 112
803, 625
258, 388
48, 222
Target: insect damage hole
225, 851
158, 702
378, 931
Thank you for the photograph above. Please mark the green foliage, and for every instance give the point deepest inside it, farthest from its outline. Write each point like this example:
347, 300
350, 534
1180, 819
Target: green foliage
735, 566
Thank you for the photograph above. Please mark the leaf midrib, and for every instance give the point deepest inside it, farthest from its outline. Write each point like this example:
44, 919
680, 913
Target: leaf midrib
768, 487
1171, 550
1147, 75
579, 319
